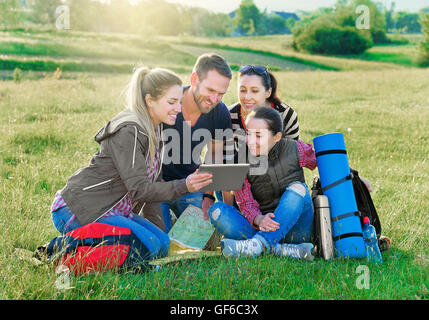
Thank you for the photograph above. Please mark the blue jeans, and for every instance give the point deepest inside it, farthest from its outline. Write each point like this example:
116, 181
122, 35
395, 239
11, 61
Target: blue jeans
179, 205
219, 198
294, 215
157, 241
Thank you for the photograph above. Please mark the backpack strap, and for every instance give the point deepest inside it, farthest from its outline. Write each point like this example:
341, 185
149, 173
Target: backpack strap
347, 215
335, 151
348, 235
336, 183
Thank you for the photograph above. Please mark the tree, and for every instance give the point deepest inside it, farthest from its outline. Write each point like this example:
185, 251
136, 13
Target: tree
10, 13
423, 59
248, 17
323, 36
44, 11
206, 23
377, 22
290, 23
328, 31
408, 22
85, 15
389, 17
273, 24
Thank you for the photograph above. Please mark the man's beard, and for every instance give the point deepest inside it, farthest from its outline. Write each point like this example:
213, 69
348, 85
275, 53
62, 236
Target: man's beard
199, 99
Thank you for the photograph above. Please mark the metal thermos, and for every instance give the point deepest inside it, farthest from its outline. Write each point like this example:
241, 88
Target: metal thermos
323, 225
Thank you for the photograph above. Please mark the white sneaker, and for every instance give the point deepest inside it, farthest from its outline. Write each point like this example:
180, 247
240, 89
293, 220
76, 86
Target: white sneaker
239, 248
299, 251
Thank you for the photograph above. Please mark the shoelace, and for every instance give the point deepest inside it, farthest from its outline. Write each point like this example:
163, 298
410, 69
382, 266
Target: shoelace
246, 247
289, 250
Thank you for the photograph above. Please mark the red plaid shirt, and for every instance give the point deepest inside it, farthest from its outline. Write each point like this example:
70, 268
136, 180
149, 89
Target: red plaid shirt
249, 207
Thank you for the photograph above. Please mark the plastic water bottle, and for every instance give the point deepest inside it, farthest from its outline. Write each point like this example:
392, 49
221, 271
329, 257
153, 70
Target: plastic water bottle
370, 237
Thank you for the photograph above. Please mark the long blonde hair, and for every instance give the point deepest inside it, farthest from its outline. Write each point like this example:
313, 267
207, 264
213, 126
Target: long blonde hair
154, 82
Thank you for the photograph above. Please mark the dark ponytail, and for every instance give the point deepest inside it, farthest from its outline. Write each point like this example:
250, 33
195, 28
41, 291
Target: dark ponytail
270, 116
273, 98
268, 81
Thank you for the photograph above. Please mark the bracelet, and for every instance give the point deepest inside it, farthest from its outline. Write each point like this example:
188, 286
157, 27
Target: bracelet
206, 195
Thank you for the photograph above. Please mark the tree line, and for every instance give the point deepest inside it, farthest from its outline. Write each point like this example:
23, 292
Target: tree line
323, 31
353, 26
143, 17
164, 18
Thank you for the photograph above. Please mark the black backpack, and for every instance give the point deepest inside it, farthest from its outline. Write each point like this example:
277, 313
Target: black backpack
363, 200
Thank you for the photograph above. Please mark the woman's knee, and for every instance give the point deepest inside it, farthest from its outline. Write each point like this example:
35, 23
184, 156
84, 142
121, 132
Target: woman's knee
216, 209
148, 238
64, 220
228, 221
293, 200
164, 239
298, 188
160, 234
296, 192
223, 215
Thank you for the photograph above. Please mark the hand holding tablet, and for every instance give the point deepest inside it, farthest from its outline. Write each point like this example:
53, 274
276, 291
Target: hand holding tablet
224, 176
196, 181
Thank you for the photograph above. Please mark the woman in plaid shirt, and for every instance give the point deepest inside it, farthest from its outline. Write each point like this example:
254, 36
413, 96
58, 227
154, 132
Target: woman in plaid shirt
276, 210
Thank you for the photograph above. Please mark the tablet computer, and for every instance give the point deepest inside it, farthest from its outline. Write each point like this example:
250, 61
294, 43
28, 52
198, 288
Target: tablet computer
225, 176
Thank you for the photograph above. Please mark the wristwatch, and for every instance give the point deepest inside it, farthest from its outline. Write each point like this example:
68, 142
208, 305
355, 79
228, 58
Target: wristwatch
206, 195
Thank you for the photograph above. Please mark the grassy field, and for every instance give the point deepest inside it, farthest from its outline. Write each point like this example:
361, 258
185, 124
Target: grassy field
47, 124
376, 58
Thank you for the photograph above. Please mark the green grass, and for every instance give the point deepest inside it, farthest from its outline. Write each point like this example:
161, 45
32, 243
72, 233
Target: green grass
402, 59
405, 55
280, 46
47, 128
86, 52
292, 59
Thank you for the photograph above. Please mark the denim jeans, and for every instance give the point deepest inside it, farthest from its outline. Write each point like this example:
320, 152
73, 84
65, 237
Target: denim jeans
294, 215
157, 241
179, 205
219, 198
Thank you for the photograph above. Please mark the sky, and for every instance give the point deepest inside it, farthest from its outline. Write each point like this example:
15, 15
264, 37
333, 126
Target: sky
227, 6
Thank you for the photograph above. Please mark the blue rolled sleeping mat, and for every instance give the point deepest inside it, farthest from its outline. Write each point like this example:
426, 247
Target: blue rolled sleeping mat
335, 178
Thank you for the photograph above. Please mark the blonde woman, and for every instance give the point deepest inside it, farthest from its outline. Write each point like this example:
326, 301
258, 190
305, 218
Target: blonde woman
125, 172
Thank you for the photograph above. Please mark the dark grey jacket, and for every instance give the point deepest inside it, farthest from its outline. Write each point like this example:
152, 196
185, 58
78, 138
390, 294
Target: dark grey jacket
283, 169
117, 169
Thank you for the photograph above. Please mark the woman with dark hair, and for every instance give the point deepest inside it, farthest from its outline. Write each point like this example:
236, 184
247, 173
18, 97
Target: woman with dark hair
275, 208
257, 87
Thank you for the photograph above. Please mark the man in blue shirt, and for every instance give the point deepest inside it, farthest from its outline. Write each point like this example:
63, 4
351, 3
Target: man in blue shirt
204, 120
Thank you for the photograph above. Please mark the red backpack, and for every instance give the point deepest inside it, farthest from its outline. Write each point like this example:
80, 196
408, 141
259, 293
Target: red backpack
97, 247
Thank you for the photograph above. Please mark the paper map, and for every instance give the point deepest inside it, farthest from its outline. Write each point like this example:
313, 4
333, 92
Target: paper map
191, 230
